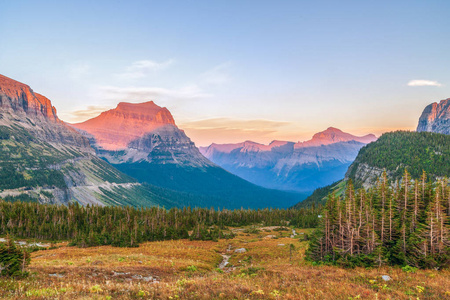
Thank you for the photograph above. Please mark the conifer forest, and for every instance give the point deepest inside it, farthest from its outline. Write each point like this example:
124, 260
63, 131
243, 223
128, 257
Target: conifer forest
399, 223
128, 227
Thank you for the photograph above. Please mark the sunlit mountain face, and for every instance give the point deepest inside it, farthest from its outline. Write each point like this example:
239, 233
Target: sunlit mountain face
116, 128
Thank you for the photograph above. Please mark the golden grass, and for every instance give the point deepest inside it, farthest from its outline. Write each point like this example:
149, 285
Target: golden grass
188, 270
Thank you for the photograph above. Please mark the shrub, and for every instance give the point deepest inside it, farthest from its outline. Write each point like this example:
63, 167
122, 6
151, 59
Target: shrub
13, 260
409, 269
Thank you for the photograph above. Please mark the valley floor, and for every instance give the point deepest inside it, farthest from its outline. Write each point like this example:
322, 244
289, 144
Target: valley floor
190, 270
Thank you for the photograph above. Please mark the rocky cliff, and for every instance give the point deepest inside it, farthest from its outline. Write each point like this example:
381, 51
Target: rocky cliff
436, 118
19, 98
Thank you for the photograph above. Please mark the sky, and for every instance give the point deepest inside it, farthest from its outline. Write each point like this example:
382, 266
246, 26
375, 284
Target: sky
231, 71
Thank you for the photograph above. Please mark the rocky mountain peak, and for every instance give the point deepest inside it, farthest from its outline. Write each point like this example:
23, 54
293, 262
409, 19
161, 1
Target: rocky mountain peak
141, 132
333, 135
116, 128
19, 98
436, 117
147, 111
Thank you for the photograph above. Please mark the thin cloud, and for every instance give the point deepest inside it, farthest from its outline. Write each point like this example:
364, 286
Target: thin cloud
230, 130
79, 70
217, 75
152, 93
88, 113
421, 82
142, 68
232, 123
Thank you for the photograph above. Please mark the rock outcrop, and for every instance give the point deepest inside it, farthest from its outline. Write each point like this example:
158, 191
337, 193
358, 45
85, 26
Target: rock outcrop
19, 98
20, 105
436, 118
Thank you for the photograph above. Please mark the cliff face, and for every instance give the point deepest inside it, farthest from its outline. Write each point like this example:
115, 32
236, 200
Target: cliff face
301, 166
19, 98
116, 128
20, 105
436, 118
140, 132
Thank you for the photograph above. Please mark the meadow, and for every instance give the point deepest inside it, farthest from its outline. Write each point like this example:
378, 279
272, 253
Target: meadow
273, 266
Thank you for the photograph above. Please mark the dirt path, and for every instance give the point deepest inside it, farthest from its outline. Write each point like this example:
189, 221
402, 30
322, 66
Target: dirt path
224, 262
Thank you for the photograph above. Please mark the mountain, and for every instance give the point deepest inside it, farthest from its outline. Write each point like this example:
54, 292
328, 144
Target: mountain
43, 159
436, 118
143, 141
141, 132
283, 165
393, 152
333, 135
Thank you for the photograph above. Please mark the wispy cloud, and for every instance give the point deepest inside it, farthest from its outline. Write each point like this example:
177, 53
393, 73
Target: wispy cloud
78, 70
151, 93
232, 123
421, 82
230, 130
217, 75
142, 68
87, 113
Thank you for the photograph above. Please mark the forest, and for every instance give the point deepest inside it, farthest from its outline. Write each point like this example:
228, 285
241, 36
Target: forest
404, 223
415, 151
118, 226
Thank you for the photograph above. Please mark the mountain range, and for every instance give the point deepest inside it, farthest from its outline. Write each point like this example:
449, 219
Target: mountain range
143, 141
302, 166
131, 155
135, 154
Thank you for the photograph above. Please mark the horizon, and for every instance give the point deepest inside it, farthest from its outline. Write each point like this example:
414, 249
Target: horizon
276, 72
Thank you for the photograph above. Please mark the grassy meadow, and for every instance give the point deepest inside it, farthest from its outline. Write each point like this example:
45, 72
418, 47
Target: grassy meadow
272, 267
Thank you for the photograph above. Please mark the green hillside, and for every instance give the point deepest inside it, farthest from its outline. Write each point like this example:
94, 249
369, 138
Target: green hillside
33, 170
320, 195
415, 151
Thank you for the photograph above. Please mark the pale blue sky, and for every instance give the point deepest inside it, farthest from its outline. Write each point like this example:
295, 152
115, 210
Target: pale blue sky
235, 70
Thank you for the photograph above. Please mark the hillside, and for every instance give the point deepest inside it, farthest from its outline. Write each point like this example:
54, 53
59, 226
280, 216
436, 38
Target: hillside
395, 151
